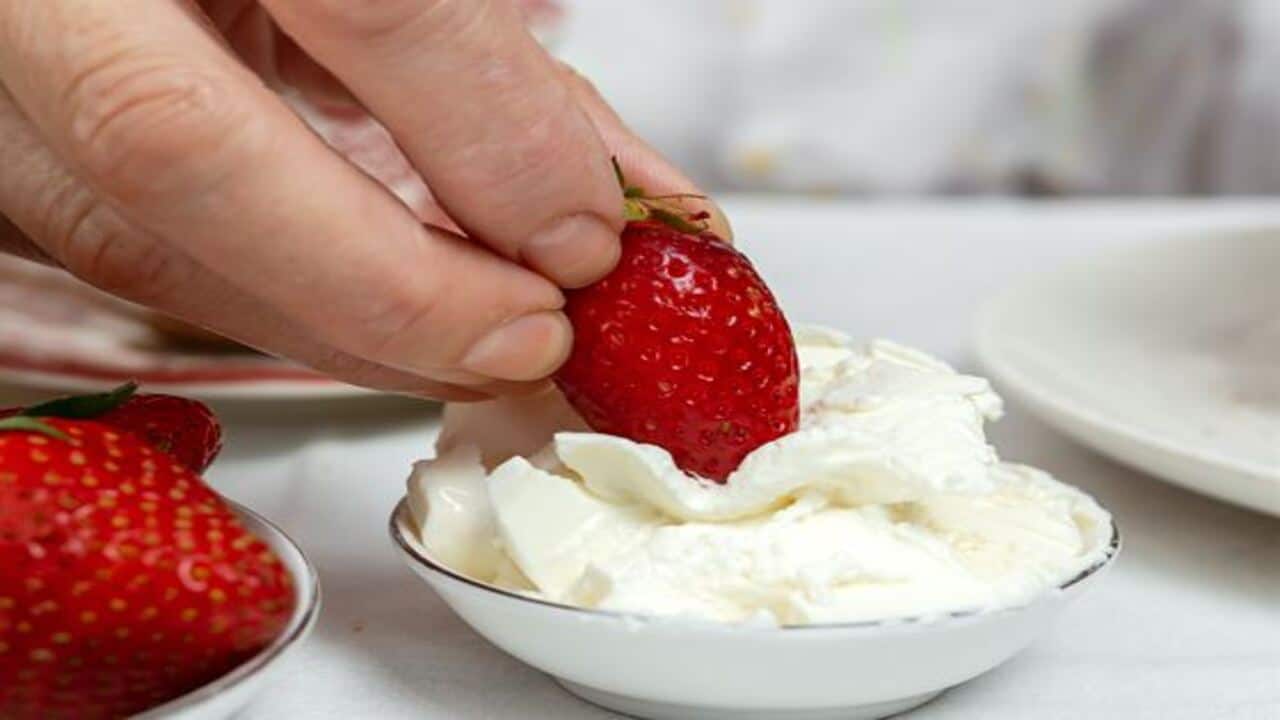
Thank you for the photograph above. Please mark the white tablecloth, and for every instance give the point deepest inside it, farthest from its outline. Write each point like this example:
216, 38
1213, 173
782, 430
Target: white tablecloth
1187, 627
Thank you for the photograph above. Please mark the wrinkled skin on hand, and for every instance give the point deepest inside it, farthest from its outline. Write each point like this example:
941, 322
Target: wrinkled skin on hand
164, 162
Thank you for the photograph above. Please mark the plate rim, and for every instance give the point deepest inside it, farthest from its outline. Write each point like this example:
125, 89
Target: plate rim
994, 361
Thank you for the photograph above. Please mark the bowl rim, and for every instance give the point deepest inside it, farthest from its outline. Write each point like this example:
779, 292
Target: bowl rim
300, 624
399, 515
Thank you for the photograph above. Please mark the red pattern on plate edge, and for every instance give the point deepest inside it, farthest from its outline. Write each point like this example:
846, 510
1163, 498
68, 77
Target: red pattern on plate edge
57, 326
227, 373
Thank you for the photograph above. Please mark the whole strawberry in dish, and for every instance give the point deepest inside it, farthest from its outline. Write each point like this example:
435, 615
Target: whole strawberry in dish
682, 345
124, 580
183, 428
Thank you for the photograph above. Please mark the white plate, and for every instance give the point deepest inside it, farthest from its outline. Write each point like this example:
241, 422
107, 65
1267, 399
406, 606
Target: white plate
1165, 357
664, 668
228, 695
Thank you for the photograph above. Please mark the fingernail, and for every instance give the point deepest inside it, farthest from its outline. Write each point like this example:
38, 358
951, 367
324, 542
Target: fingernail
527, 348
575, 251
719, 222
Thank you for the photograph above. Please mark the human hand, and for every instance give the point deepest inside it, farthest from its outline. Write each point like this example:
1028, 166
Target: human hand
142, 147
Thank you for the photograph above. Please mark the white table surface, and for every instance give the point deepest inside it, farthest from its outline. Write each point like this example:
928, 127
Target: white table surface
1186, 627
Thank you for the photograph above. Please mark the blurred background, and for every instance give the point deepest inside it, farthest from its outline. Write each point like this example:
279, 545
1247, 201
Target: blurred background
766, 101
1131, 97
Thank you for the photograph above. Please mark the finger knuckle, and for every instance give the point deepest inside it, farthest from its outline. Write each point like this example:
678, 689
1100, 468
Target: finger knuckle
63, 210
405, 313
537, 157
143, 129
96, 246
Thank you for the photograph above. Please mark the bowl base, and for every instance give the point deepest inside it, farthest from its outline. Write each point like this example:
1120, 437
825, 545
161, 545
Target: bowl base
658, 710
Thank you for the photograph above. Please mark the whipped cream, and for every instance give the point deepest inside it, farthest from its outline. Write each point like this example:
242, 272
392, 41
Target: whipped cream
887, 502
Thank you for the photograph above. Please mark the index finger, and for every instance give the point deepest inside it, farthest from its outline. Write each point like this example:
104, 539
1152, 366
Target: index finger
187, 144
482, 112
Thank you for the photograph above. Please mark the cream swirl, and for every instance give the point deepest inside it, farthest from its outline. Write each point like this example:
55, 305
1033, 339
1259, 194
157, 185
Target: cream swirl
886, 502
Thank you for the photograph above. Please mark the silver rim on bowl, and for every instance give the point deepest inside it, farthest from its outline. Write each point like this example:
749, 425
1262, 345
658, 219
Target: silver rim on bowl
400, 516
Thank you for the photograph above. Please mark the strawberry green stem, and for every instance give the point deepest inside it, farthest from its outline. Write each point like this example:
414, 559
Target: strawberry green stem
638, 205
81, 407
30, 424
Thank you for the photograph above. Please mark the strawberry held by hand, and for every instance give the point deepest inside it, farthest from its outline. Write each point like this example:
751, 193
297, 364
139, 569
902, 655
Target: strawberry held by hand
183, 428
124, 580
682, 345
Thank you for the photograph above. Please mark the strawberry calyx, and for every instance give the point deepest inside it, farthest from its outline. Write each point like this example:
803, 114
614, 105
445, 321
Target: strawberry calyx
72, 407
82, 407
29, 424
638, 205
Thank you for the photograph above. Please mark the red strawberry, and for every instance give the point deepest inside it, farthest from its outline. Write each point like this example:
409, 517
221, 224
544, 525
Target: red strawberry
124, 580
186, 429
682, 346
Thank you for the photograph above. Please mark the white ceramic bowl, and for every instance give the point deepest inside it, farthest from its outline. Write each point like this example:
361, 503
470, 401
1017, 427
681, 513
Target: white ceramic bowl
229, 694
663, 668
